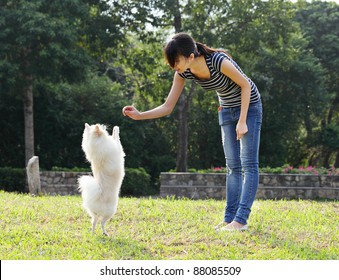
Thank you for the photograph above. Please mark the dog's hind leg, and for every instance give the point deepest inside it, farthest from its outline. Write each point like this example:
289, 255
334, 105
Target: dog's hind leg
94, 222
103, 223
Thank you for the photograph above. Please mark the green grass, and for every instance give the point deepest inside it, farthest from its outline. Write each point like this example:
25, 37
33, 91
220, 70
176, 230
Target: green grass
49, 227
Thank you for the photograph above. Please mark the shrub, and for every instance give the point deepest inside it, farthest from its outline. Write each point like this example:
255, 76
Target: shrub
74, 169
137, 182
13, 179
285, 169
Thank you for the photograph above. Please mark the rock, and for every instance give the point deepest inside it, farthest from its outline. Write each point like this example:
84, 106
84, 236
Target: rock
33, 176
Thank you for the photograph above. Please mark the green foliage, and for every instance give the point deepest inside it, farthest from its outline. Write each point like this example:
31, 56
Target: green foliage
205, 148
40, 39
12, 130
12, 179
50, 43
313, 170
147, 81
73, 169
136, 183
63, 109
54, 40
285, 169
319, 21
330, 136
290, 63
57, 228
288, 49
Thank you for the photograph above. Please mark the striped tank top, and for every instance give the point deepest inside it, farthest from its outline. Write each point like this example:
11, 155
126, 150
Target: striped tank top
229, 93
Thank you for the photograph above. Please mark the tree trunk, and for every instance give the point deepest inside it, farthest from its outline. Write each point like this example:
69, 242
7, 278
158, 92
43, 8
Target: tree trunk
28, 115
184, 103
182, 140
336, 163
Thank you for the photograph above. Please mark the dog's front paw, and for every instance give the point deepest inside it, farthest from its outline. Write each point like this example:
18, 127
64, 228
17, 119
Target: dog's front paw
116, 132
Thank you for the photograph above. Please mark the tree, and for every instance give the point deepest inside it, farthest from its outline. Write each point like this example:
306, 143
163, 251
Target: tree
319, 21
48, 40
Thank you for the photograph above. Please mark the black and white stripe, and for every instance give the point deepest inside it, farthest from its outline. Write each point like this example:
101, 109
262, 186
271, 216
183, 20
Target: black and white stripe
229, 93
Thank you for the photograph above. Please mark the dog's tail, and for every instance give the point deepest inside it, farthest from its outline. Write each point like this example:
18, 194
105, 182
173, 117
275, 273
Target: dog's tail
90, 190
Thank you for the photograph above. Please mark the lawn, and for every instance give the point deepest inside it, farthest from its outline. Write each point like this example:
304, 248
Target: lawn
57, 228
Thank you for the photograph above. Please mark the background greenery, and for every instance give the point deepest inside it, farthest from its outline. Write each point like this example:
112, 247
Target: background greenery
87, 59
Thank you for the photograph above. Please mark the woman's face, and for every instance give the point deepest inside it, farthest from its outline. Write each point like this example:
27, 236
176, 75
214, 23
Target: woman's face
182, 63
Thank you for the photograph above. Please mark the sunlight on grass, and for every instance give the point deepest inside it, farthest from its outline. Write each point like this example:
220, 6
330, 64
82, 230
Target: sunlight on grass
49, 227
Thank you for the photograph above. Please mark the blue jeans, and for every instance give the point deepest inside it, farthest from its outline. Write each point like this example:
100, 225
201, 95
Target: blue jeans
241, 156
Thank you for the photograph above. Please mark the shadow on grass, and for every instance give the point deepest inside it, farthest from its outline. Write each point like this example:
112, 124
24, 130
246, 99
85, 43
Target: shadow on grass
124, 248
295, 248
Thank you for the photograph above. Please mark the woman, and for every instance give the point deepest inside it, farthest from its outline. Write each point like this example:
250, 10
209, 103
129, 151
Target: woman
240, 115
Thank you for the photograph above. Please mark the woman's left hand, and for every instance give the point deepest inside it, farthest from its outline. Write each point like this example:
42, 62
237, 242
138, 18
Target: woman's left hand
241, 130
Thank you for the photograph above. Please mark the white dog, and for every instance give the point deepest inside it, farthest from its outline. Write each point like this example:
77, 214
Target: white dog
100, 193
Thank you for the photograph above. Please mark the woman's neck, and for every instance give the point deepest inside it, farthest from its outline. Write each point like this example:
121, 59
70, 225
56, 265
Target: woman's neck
199, 68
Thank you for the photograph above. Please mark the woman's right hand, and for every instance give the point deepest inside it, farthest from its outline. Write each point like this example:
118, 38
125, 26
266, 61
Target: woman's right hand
132, 112
162, 110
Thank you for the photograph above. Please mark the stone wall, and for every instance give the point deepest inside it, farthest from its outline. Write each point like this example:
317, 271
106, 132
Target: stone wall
212, 185
60, 183
271, 186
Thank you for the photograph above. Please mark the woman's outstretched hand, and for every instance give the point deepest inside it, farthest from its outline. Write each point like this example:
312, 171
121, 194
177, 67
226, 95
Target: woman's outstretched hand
132, 112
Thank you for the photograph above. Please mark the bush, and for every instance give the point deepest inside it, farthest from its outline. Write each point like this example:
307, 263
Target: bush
73, 169
285, 169
13, 179
137, 182
288, 169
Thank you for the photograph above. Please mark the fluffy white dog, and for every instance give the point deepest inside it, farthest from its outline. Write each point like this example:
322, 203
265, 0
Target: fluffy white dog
100, 192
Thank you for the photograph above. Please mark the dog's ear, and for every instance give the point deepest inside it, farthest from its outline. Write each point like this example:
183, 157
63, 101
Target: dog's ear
98, 130
87, 125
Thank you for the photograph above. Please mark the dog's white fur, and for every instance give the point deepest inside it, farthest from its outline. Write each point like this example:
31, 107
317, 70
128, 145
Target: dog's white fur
100, 192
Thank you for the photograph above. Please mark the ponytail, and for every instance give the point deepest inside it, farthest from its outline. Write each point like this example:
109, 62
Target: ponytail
205, 50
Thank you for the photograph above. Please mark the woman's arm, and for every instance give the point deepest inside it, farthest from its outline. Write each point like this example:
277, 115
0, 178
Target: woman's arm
162, 110
232, 72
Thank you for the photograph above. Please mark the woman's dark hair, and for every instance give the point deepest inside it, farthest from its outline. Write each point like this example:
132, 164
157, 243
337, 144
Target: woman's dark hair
183, 44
